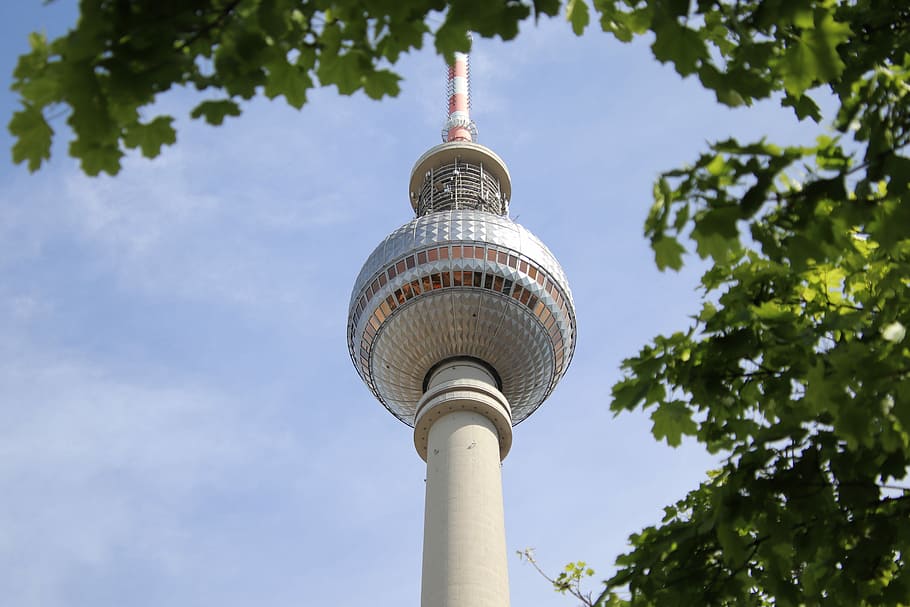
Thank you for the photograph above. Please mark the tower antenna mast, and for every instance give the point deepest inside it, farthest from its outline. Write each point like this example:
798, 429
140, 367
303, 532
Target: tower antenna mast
458, 125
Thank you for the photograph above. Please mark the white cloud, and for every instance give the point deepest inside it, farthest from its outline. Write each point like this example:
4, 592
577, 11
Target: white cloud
168, 229
93, 467
23, 308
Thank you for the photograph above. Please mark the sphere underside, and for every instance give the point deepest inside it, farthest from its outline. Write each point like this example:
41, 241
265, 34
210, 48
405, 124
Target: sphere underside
461, 283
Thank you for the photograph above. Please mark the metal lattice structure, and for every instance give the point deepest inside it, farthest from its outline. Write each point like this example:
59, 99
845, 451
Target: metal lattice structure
461, 185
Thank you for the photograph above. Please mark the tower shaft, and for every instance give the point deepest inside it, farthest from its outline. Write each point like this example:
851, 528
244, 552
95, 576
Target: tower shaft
463, 431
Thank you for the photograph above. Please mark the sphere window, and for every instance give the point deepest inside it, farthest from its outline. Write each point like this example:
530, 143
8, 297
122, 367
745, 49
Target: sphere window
464, 278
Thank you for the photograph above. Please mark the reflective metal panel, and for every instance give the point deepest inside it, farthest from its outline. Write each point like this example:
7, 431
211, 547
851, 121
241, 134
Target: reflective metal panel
425, 295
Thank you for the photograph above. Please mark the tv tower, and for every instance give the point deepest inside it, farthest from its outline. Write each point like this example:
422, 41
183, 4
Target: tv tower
461, 323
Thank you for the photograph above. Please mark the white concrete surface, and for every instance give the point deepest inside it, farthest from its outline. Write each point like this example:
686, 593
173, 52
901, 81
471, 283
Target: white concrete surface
464, 549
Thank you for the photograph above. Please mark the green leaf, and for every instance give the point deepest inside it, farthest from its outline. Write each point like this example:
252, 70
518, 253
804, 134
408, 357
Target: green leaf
756, 195
96, 156
667, 252
639, 20
451, 37
150, 137
679, 45
546, 7
804, 106
628, 393
577, 15
289, 80
381, 83
215, 111
731, 542
40, 89
813, 57
272, 17
671, 421
716, 234
772, 311
717, 166
344, 71
33, 137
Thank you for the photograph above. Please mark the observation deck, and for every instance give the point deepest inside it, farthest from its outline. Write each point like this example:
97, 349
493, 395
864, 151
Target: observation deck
460, 175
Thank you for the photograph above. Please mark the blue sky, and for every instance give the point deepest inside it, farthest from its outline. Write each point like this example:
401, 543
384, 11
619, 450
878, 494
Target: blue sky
180, 422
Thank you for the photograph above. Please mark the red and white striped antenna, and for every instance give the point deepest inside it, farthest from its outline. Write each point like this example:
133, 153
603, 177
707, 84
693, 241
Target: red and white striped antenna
459, 126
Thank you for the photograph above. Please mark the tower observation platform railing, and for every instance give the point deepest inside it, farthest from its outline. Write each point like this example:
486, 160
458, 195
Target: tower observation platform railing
461, 185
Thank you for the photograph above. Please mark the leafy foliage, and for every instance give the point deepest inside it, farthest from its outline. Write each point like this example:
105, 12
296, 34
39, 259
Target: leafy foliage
107, 72
567, 581
797, 367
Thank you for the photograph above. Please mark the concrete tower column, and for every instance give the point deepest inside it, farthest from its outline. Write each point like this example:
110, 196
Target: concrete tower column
463, 431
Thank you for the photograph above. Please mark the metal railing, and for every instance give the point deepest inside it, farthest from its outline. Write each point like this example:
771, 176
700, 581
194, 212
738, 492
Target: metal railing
460, 185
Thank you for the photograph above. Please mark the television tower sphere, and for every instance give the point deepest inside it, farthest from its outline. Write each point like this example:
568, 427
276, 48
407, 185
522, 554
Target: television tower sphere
461, 280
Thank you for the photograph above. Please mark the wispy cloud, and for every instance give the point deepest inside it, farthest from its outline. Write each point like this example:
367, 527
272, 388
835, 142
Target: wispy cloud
95, 468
